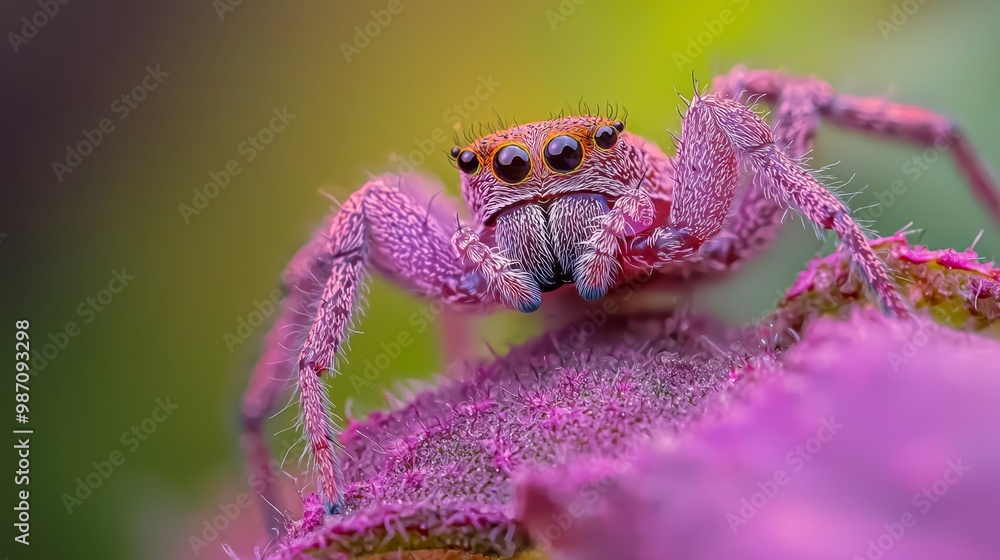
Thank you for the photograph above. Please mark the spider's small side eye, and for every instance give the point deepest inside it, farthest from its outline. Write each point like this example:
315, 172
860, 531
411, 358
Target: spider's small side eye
455, 150
563, 154
467, 160
619, 126
606, 136
511, 164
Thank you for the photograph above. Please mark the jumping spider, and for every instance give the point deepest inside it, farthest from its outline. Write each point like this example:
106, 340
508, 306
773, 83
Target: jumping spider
578, 200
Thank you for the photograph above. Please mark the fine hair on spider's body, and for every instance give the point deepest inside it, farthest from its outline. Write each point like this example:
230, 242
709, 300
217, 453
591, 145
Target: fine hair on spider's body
577, 203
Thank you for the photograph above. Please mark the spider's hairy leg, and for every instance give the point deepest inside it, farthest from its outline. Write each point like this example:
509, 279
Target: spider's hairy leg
705, 173
346, 251
303, 277
720, 136
752, 142
387, 226
271, 375
872, 115
916, 124
757, 217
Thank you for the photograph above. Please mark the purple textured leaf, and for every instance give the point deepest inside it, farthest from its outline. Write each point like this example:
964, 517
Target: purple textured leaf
838, 456
672, 436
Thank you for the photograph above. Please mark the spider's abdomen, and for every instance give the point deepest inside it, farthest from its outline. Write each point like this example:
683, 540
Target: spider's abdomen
546, 238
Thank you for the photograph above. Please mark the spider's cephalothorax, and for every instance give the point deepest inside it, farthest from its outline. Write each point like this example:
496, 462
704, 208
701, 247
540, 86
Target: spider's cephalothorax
538, 162
578, 200
540, 188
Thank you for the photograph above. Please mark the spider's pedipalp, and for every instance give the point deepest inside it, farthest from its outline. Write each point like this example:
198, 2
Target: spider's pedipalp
598, 268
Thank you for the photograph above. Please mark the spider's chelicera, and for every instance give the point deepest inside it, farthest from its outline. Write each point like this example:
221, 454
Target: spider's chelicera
579, 201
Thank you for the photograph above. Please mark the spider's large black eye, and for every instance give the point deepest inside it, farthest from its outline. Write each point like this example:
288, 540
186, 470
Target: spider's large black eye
511, 164
563, 154
606, 136
468, 162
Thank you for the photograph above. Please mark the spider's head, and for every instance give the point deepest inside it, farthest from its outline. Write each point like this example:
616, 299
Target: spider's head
541, 186
539, 162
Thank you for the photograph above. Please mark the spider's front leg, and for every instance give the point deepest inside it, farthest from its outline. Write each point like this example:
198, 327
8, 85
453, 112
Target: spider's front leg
719, 137
303, 278
387, 226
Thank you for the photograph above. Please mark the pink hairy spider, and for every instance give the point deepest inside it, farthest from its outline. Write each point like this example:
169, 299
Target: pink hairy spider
578, 201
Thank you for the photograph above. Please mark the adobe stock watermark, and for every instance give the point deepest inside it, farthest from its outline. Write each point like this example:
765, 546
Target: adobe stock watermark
562, 12
225, 7
214, 528
87, 310
131, 440
439, 137
32, 24
594, 319
913, 168
590, 497
122, 106
248, 150
922, 502
796, 460
245, 326
900, 14
923, 332
614, 302
390, 351
366, 32
427, 315
697, 44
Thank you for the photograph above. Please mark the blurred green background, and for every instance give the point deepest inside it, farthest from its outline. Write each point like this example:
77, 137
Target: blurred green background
229, 66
